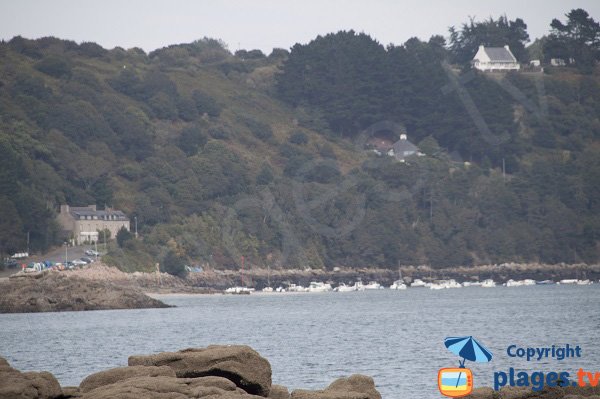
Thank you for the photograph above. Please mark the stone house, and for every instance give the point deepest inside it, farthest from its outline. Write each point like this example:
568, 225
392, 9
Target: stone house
83, 223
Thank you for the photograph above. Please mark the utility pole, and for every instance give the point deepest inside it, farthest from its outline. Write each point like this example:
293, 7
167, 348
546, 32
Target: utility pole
28, 243
135, 218
66, 253
242, 272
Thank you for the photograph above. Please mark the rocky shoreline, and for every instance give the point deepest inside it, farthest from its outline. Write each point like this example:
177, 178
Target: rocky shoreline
214, 281
218, 372
57, 292
215, 372
101, 287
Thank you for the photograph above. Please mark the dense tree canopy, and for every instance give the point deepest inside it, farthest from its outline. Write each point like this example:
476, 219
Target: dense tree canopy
465, 41
578, 39
215, 167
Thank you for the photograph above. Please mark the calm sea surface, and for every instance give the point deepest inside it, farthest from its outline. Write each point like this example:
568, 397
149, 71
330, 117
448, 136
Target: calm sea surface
311, 339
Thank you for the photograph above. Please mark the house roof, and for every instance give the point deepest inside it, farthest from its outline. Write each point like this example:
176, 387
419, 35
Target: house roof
103, 215
499, 54
402, 146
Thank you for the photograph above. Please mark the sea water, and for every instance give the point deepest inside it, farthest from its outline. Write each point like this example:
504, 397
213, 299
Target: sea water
397, 337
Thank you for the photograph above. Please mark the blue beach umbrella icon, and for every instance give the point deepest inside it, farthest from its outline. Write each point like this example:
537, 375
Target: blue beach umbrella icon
469, 349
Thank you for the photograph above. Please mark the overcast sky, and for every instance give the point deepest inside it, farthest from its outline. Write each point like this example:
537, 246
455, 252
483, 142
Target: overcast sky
262, 24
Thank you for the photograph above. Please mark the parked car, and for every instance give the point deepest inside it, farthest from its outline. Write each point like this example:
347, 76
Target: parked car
79, 262
87, 260
91, 252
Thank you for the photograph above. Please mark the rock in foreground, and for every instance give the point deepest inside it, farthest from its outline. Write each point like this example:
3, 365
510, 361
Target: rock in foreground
30, 385
238, 363
355, 387
215, 372
55, 292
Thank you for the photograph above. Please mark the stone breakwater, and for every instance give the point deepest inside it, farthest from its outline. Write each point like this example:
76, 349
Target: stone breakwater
56, 292
215, 372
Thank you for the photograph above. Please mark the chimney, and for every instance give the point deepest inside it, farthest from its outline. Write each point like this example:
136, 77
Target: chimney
403, 137
92, 207
506, 47
481, 47
64, 209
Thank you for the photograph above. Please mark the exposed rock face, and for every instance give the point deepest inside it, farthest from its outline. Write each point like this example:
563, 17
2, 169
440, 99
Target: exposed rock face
53, 291
17, 385
162, 387
112, 376
279, 392
354, 387
215, 372
238, 363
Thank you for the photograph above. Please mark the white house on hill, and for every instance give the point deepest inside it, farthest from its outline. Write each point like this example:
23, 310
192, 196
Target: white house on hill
495, 59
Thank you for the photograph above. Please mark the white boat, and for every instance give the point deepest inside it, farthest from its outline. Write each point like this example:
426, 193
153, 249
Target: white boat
444, 284
568, 281
359, 286
417, 283
398, 285
435, 286
239, 290
279, 289
373, 285
319, 287
513, 283
584, 282
267, 289
528, 281
452, 284
344, 288
489, 283
296, 288
471, 284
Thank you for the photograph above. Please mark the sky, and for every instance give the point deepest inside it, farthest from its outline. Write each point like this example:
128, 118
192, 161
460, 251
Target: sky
262, 24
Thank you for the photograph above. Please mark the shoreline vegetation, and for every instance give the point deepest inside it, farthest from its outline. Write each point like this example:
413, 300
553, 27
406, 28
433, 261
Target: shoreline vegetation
217, 372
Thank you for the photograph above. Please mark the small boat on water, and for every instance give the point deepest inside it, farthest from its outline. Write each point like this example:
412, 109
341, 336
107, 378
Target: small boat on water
488, 283
373, 285
584, 282
417, 283
239, 290
319, 287
296, 288
444, 284
545, 282
568, 281
471, 284
435, 286
267, 289
344, 288
398, 285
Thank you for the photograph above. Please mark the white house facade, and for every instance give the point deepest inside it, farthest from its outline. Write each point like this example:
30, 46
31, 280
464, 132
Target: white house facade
495, 59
